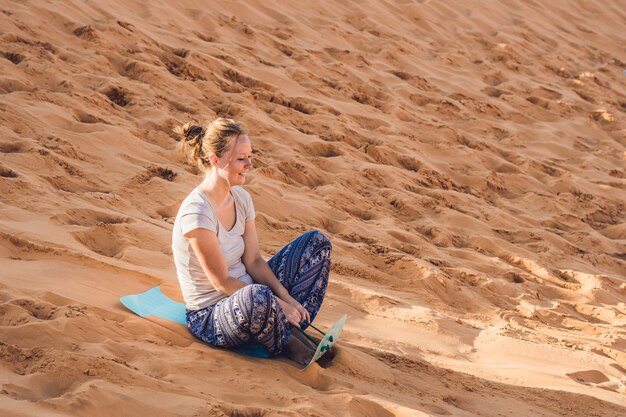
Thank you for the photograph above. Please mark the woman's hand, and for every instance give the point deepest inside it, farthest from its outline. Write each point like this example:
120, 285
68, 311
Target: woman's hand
291, 313
294, 312
304, 314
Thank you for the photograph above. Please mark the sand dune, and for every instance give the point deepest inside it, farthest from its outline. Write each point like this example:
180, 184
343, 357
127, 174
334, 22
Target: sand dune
467, 159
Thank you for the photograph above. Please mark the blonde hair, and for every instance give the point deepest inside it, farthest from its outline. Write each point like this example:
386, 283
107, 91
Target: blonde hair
198, 142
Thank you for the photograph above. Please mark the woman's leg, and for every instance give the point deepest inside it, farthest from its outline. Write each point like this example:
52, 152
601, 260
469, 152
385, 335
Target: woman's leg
250, 315
303, 267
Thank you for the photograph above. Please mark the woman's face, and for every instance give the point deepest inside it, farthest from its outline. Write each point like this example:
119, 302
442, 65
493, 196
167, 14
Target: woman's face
238, 162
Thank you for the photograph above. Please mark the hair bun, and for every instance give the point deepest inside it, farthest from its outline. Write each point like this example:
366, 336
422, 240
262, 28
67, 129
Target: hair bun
190, 132
195, 132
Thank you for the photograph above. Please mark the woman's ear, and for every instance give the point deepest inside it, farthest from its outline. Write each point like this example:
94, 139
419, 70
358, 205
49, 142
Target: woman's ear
213, 161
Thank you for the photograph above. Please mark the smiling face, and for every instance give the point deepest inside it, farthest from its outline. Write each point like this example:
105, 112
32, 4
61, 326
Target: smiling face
237, 162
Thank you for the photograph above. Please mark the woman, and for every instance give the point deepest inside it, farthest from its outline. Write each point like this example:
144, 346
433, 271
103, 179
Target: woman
232, 295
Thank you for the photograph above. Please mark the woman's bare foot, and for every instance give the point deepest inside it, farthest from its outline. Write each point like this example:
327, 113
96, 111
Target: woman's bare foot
323, 361
298, 351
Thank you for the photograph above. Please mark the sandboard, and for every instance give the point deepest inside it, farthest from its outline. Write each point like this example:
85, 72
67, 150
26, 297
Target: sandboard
154, 303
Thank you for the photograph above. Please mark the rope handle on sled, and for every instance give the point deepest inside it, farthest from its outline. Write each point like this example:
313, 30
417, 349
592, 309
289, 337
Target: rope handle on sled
306, 323
307, 336
330, 338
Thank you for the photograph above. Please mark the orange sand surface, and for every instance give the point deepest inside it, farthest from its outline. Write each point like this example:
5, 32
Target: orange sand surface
467, 159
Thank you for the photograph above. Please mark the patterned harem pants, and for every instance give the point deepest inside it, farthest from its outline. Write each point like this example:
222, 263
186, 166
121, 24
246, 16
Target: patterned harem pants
252, 314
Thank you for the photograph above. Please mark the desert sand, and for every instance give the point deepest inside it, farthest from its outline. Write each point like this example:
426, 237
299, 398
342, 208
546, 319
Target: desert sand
467, 160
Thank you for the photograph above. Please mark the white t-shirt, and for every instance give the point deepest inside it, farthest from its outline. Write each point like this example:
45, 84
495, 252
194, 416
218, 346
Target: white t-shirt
196, 212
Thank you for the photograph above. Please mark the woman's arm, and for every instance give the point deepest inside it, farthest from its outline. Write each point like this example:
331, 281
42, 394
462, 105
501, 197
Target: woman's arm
207, 248
261, 273
256, 266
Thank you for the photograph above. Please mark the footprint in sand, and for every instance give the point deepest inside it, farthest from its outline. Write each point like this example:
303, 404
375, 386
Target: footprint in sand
63, 183
15, 58
7, 172
88, 118
360, 406
181, 69
588, 377
324, 149
154, 171
13, 147
304, 175
492, 91
118, 96
89, 217
103, 239
494, 79
21, 311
